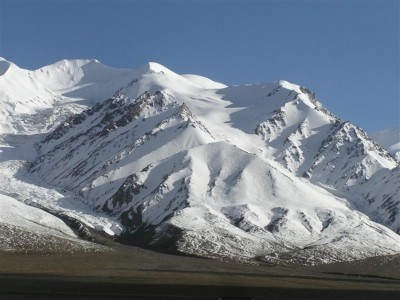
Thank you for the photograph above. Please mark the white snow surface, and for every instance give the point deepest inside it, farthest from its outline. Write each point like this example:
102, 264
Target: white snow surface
204, 82
16, 213
15, 182
260, 170
24, 228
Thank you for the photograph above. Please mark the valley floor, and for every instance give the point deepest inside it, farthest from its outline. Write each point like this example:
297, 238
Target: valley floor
135, 273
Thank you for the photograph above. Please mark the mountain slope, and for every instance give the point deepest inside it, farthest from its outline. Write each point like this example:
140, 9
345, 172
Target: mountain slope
217, 200
226, 202
312, 143
20, 94
35, 101
154, 165
181, 162
120, 137
24, 228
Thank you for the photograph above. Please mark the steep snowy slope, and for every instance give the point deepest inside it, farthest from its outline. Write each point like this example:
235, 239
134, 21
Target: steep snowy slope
390, 139
200, 181
16, 182
312, 143
382, 193
20, 94
93, 152
16, 213
34, 101
217, 200
25, 228
181, 161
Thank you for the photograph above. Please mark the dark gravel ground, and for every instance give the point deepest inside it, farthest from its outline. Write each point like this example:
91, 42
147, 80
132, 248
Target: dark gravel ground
135, 273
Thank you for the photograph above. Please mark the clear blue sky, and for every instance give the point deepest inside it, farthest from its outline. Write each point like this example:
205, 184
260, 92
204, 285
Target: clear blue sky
345, 51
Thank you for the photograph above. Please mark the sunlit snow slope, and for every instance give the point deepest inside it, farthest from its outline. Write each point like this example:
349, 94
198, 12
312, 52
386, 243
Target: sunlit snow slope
25, 228
185, 163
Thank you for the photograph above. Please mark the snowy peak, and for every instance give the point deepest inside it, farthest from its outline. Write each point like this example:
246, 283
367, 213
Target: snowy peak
245, 171
309, 141
363, 157
119, 136
69, 86
20, 95
153, 67
67, 74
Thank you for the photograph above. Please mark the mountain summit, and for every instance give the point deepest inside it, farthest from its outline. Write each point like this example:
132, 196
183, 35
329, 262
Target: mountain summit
184, 163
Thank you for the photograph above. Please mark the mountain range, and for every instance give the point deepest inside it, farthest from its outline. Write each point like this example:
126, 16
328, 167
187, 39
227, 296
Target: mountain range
185, 164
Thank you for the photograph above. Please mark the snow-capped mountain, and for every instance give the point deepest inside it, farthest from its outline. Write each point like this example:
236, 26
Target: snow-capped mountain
390, 139
253, 171
34, 101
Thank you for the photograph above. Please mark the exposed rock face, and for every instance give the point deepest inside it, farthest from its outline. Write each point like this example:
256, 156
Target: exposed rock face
333, 153
249, 172
155, 167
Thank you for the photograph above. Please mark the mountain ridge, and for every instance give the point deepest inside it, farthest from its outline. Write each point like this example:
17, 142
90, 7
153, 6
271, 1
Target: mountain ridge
222, 171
